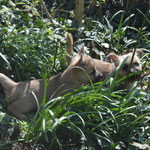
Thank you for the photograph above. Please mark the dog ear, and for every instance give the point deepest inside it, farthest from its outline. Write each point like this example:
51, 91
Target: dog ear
114, 58
139, 52
78, 60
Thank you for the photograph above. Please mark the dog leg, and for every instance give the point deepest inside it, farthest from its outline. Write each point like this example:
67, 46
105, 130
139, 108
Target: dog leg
16, 109
12, 109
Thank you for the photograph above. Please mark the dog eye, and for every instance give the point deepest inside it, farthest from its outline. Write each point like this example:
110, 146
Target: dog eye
136, 64
125, 67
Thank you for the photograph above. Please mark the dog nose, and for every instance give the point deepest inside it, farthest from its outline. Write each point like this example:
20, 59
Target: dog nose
98, 77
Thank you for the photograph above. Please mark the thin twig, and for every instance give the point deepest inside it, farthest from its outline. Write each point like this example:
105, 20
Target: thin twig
47, 13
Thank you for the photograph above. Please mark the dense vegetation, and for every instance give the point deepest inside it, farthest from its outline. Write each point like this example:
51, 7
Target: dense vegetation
92, 117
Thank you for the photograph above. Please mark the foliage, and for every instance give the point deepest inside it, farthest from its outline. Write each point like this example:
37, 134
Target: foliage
96, 118
30, 44
92, 117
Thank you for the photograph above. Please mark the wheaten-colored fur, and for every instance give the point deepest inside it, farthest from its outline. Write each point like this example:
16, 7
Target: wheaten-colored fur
19, 95
106, 68
69, 48
128, 67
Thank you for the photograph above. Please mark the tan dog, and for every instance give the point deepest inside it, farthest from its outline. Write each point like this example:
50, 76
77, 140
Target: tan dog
20, 98
128, 68
107, 68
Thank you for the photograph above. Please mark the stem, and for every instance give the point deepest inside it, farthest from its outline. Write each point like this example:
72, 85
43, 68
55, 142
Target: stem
47, 13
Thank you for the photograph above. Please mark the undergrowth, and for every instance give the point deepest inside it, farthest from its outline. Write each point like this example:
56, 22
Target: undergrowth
93, 117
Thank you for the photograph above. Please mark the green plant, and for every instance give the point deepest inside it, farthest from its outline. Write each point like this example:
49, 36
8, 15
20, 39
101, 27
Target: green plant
92, 117
108, 119
29, 44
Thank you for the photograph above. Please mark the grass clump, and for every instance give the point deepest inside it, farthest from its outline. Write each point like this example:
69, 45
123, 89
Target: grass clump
93, 117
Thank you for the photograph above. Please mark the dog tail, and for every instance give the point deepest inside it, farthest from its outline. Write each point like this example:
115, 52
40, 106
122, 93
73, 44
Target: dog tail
69, 48
6, 82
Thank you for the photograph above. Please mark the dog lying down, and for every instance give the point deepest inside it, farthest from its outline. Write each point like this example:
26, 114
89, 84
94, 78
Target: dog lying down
20, 98
107, 68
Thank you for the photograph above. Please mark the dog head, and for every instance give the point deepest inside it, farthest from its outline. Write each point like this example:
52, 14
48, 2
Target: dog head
127, 67
83, 65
